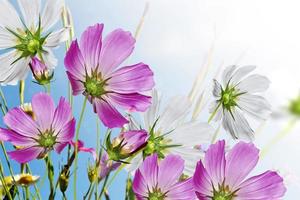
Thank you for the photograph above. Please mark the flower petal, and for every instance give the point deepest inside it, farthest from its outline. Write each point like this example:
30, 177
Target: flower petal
62, 115
49, 58
9, 17
254, 83
202, 181
240, 161
170, 169
90, 44
132, 102
149, 170
109, 115
20, 122
131, 79
215, 162
183, 190
25, 155
227, 74
30, 10
51, 13
217, 89
15, 138
152, 113
268, 185
43, 107
139, 185
116, 47
77, 85
240, 73
7, 40
57, 37
67, 132
74, 61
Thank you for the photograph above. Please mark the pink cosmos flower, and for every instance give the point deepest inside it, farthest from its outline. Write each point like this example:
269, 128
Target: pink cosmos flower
223, 177
155, 180
52, 128
106, 166
82, 148
92, 71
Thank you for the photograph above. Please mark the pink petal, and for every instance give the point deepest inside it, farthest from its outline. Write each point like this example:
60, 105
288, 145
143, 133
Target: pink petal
15, 138
25, 155
132, 102
90, 44
116, 47
74, 61
60, 146
131, 79
77, 85
170, 169
183, 191
43, 107
67, 132
268, 185
149, 170
202, 181
215, 162
108, 114
241, 159
62, 115
20, 122
139, 185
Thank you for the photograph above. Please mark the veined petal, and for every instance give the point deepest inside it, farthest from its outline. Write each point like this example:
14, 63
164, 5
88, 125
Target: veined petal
9, 17
25, 155
90, 44
116, 47
109, 115
215, 162
7, 40
175, 111
183, 190
268, 185
202, 181
255, 105
57, 37
240, 73
15, 138
227, 74
49, 58
139, 185
217, 89
20, 122
77, 85
149, 170
30, 10
74, 61
170, 169
62, 115
43, 107
254, 83
51, 13
132, 102
67, 132
152, 113
240, 161
131, 79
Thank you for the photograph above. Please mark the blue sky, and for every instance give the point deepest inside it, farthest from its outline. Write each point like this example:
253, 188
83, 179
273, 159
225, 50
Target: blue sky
174, 41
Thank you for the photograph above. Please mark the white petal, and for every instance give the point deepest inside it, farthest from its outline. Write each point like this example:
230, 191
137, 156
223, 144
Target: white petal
30, 10
190, 156
151, 115
241, 72
227, 73
134, 163
57, 37
7, 39
212, 107
52, 13
217, 89
9, 17
12, 73
191, 134
49, 58
255, 105
254, 83
175, 112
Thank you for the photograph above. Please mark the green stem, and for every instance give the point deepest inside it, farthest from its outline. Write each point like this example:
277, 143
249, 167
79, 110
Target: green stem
50, 171
7, 192
3, 99
76, 146
88, 191
48, 88
283, 133
97, 149
21, 91
103, 186
27, 194
214, 112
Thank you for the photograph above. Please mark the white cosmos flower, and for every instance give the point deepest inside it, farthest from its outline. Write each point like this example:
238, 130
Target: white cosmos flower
238, 95
28, 36
171, 134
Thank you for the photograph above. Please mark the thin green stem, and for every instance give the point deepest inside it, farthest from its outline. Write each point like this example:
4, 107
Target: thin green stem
37, 191
214, 112
3, 99
2, 177
50, 171
76, 146
88, 191
27, 194
97, 149
103, 186
48, 88
283, 133
21, 91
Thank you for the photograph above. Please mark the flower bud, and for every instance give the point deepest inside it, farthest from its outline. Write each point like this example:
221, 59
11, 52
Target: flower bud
294, 106
41, 73
64, 180
106, 166
126, 144
92, 173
